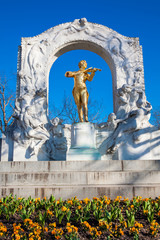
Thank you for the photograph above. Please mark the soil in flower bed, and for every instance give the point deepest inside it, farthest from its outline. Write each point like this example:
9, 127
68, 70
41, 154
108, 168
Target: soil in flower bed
82, 235
100, 218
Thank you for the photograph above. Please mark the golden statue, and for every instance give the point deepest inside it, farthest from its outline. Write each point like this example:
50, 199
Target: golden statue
80, 92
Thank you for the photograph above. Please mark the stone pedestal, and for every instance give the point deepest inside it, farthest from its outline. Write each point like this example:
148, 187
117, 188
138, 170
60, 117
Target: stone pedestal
83, 143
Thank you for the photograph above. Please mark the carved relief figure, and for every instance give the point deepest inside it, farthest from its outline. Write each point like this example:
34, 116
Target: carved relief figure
137, 75
115, 46
34, 130
124, 51
111, 123
36, 59
30, 129
123, 94
138, 118
80, 92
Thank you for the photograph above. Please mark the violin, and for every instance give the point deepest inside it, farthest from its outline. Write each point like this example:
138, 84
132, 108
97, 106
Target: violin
88, 70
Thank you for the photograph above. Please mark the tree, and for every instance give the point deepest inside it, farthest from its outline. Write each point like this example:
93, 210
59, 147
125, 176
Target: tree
7, 99
69, 114
156, 117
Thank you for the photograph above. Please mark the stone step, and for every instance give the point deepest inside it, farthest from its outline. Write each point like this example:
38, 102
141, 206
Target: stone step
99, 165
82, 191
80, 178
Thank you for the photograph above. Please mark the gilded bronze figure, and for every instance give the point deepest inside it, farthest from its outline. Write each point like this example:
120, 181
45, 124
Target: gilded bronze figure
80, 92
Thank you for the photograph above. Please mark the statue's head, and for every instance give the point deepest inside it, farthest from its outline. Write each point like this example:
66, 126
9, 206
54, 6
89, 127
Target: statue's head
29, 110
111, 117
82, 64
126, 88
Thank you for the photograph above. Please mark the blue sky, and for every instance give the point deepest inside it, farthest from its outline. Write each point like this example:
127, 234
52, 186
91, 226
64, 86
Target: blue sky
138, 18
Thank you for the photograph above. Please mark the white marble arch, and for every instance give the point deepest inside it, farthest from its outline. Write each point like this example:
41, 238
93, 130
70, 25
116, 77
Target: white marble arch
37, 54
126, 135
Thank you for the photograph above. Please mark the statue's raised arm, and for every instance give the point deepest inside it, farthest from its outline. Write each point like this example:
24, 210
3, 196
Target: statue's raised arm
70, 74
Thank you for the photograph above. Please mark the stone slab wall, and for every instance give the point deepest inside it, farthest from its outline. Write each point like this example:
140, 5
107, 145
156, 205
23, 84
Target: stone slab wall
82, 179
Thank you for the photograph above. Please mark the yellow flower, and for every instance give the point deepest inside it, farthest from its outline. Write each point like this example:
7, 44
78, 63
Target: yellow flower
107, 226
49, 212
70, 202
95, 198
53, 224
64, 209
133, 229
53, 231
145, 211
121, 232
86, 200
37, 200
17, 236
69, 230
108, 202
99, 233
152, 228
118, 198
125, 199
86, 224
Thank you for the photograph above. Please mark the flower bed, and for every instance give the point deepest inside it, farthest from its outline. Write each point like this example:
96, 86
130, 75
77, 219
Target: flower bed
99, 218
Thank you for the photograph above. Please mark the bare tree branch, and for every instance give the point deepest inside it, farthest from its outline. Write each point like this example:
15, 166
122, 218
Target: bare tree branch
7, 99
69, 114
156, 117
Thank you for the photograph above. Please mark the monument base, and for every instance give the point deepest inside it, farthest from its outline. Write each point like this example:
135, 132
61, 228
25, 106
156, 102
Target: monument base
82, 154
83, 143
84, 179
